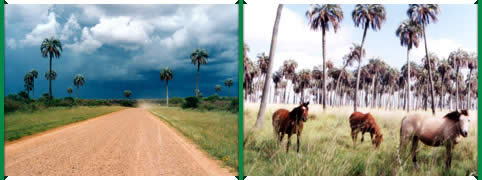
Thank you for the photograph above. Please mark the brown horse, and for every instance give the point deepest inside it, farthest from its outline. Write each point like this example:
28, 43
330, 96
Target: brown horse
433, 131
365, 123
290, 122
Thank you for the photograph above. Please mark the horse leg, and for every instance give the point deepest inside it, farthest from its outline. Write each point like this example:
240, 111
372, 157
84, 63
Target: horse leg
289, 142
362, 134
297, 143
354, 134
449, 146
414, 151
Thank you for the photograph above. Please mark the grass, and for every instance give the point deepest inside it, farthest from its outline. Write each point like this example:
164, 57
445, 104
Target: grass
216, 131
327, 149
20, 124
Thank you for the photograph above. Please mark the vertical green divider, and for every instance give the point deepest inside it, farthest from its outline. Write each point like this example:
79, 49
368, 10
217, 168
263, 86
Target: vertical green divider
240, 88
2, 87
478, 100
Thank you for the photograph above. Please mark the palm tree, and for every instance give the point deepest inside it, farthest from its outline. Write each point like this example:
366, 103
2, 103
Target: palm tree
472, 65
444, 69
198, 57
320, 17
78, 82
276, 80
458, 59
376, 66
228, 83
127, 93
217, 88
166, 75
304, 78
262, 108
422, 14
366, 15
28, 82
51, 47
69, 91
51, 76
409, 33
34, 75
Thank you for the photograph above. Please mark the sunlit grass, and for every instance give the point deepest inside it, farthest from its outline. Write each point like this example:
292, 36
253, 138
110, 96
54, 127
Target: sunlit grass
327, 149
19, 124
214, 131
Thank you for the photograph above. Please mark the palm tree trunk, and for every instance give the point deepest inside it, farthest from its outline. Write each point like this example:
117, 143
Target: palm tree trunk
408, 79
359, 66
262, 108
33, 90
324, 67
457, 88
167, 93
429, 70
197, 80
50, 79
77, 93
468, 89
374, 92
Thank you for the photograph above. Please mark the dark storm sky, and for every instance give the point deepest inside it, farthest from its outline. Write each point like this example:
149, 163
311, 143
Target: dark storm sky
123, 47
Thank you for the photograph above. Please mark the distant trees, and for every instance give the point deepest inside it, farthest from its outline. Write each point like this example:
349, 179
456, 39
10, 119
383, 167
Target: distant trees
69, 91
217, 88
127, 93
228, 83
78, 82
166, 75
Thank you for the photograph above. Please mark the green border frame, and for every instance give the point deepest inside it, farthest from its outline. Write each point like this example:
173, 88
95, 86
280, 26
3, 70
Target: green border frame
2, 87
479, 145
240, 88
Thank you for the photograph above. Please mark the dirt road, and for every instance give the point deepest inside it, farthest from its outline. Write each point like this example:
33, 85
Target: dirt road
128, 142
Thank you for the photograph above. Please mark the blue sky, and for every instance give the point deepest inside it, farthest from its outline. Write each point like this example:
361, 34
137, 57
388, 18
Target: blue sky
456, 28
120, 47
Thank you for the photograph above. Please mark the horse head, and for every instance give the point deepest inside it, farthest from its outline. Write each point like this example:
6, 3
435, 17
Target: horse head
462, 119
378, 140
300, 112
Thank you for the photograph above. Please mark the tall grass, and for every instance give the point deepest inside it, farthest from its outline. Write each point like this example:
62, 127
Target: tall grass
20, 123
215, 131
327, 148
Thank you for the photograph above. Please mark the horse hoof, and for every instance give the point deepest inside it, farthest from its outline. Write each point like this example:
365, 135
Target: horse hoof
416, 166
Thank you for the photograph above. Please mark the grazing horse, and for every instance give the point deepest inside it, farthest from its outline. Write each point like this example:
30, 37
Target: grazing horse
365, 123
290, 122
433, 131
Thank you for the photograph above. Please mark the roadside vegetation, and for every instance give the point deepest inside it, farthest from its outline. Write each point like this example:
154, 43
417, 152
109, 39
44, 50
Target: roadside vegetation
214, 131
21, 123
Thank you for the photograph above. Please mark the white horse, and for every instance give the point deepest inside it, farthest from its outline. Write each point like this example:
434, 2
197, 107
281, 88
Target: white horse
433, 131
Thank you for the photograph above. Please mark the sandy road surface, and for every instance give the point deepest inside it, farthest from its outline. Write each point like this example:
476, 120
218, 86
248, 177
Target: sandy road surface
128, 142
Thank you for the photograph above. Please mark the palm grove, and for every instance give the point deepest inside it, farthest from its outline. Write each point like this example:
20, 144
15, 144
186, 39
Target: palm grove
418, 84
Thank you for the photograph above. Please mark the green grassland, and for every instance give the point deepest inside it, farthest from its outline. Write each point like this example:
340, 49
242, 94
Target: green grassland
23, 123
214, 131
327, 149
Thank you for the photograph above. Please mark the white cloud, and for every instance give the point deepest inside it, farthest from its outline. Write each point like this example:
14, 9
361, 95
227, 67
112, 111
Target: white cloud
122, 30
41, 31
87, 44
69, 28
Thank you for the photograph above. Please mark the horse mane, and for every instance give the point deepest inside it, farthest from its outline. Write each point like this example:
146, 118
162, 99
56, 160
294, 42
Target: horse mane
455, 115
464, 112
294, 113
372, 122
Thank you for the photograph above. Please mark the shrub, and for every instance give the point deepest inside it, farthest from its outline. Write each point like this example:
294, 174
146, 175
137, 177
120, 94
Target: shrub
190, 102
11, 105
213, 98
234, 105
